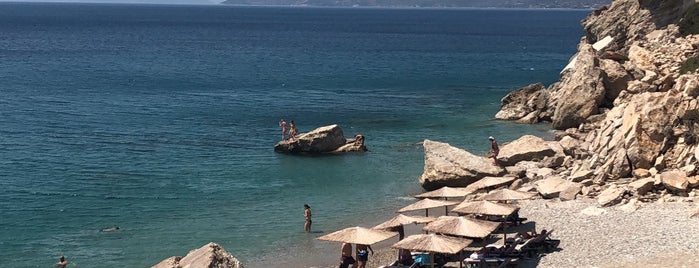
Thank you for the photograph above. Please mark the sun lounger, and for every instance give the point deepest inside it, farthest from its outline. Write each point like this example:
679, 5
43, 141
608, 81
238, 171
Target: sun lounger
491, 262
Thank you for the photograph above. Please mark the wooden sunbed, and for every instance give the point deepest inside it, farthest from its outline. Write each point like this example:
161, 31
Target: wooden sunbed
491, 262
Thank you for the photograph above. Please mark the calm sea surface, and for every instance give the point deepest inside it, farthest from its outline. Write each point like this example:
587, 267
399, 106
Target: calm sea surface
161, 120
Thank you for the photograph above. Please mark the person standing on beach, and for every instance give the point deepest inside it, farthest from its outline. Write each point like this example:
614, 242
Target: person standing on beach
363, 255
494, 149
62, 262
307, 215
346, 255
282, 124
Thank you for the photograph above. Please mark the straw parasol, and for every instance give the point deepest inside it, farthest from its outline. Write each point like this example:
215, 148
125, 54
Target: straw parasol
427, 204
402, 220
507, 194
433, 243
484, 207
358, 235
462, 226
446, 192
488, 182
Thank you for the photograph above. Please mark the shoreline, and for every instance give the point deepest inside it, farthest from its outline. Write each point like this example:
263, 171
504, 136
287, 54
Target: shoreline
653, 234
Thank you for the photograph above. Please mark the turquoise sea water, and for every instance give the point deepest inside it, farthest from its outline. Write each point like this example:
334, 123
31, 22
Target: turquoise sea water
162, 119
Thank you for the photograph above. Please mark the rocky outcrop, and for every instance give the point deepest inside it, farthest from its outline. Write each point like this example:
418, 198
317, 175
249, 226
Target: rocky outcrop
627, 119
527, 147
210, 255
524, 104
446, 165
327, 139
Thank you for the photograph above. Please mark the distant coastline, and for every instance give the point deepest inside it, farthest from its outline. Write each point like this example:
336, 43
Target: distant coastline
524, 4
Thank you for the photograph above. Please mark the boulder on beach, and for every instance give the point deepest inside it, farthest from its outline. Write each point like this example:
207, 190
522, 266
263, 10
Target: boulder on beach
527, 147
210, 255
446, 165
327, 139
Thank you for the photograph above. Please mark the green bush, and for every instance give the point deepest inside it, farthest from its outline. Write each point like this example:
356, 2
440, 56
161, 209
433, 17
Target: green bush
689, 24
690, 65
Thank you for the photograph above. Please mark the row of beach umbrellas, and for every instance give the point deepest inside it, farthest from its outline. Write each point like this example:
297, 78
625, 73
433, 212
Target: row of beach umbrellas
440, 227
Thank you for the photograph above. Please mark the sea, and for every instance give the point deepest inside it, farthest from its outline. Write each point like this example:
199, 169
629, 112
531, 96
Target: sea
161, 120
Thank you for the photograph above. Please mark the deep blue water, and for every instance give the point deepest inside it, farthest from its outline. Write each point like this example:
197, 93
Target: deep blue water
162, 119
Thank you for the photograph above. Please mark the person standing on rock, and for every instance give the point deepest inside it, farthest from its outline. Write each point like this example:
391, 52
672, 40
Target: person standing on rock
494, 149
292, 130
307, 215
282, 124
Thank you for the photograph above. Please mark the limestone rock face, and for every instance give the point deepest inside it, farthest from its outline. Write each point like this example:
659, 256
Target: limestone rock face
327, 139
624, 110
625, 20
580, 92
527, 147
210, 255
523, 102
446, 165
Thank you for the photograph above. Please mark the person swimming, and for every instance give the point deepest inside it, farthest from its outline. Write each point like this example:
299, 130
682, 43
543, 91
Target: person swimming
110, 229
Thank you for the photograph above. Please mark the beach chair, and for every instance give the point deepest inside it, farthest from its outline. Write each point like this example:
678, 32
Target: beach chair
491, 262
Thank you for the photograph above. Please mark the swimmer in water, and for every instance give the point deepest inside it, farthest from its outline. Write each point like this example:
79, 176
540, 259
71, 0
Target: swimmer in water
110, 229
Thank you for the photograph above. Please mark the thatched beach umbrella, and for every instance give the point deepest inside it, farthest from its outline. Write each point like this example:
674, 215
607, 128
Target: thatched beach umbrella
433, 243
403, 220
462, 226
358, 235
484, 207
488, 182
445, 192
506, 195
427, 204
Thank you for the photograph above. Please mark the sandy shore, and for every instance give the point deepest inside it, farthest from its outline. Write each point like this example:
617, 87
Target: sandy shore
652, 235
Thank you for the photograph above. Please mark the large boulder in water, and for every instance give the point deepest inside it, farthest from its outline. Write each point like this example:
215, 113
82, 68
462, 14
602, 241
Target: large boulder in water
327, 139
210, 255
446, 165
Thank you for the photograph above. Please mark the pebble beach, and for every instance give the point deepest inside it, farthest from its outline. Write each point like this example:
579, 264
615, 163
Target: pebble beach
660, 234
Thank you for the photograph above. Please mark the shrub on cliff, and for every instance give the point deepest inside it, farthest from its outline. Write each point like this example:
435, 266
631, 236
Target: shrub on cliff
689, 24
690, 65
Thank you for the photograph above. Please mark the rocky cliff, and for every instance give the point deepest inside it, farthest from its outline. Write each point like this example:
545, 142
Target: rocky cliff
624, 109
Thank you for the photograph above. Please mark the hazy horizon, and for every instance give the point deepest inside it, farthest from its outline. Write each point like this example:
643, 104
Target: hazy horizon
165, 2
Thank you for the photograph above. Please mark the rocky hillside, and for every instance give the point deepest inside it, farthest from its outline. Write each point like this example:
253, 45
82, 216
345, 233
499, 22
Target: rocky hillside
625, 110
626, 105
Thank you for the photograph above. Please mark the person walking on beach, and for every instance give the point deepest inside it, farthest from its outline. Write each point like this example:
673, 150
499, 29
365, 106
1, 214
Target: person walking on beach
292, 130
363, 255
307, 215
282, 124
494, 149
346, 255
62, 262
